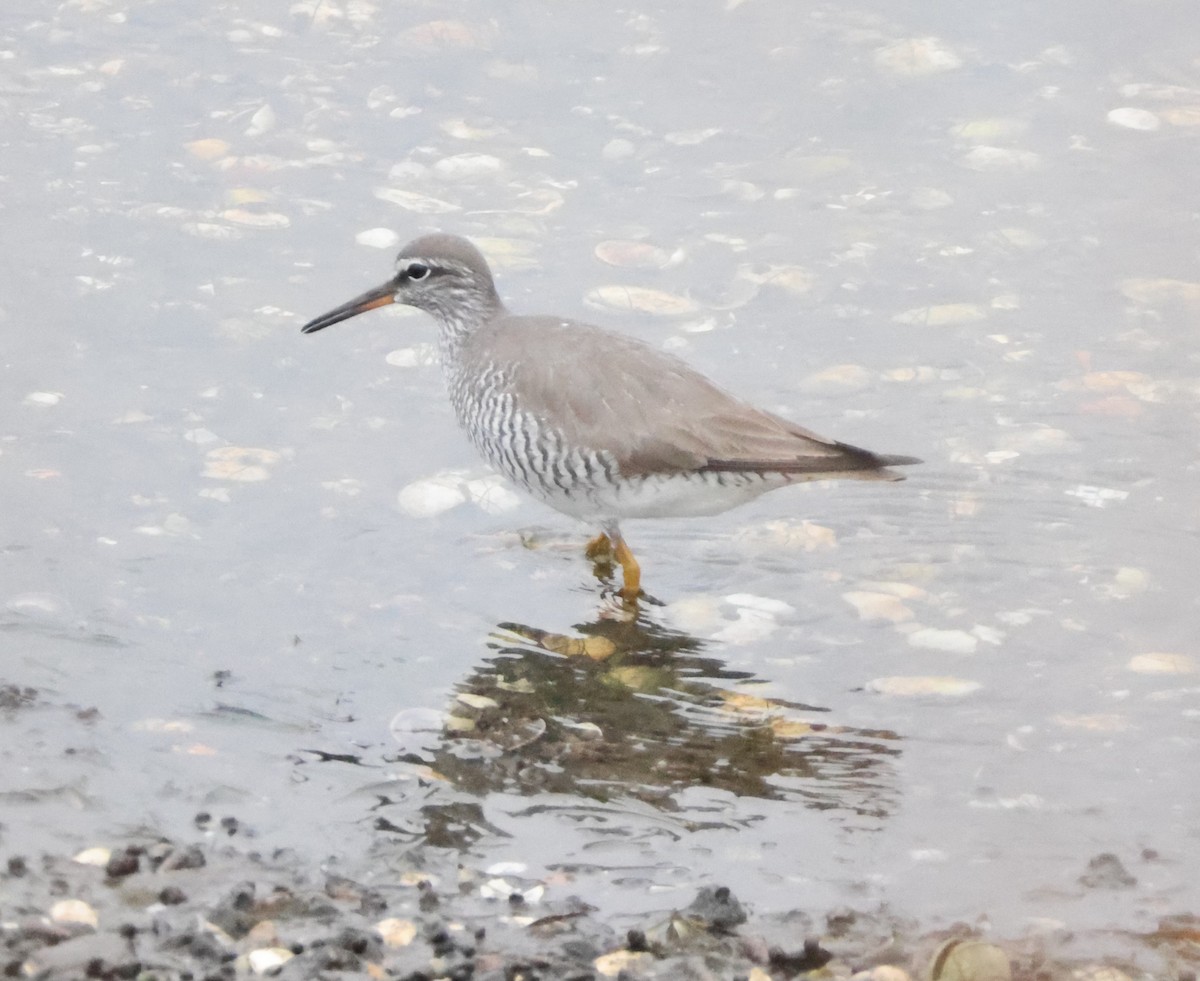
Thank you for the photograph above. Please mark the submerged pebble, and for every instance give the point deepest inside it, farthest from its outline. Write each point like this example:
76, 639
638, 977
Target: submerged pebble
421, 204
74, 911
246, 464
942, 315
917, 56
635, 255
1129, 118
396, 932
969, 960
431, 496
378, 238
640, 299
918, 685
995, 158
1161, 663
951, 641
878, 606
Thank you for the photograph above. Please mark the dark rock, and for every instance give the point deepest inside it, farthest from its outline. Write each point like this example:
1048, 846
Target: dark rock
809, 959
717, 908
429, 900
123, 862
172, 896
233, 913
1105, 871
191, 857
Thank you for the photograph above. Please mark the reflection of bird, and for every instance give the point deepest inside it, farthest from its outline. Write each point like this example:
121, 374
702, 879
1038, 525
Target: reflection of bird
597, 424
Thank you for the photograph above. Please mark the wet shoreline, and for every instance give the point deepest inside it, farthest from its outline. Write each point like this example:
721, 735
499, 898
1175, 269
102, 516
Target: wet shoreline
227, 904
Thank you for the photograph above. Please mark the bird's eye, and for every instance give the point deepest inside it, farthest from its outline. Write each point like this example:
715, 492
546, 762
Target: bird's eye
417, 271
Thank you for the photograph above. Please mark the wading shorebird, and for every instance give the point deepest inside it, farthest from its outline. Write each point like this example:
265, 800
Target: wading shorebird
598, 425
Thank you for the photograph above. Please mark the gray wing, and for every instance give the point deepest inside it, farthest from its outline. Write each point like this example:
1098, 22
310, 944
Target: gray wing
651, 411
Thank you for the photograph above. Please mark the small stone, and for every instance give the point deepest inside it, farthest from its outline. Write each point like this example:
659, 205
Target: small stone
617, 150
268, 959
1104, 381
805, 535
431, 496
640, 299
262, 121
917, 56
692, 137
421, 204
969, 960
172, 896
1158, 663
883, 972
1094, 722
1101, 972
460, 129
468, 166
1155, 290
1105, 871
493, 494
993, 158
951, 641
207, 149
396, 932
446, 35
246, 464
621, 961
837, 379
761, 603
1182, 116
718, 908
419, 355
1096, 497
634, 255
917, 685
942, 315
256, 219
878, 606
794, 279
97, 855
1128, 118
1128, 581
201, 436
378, 238
416, 879
479, 703
123, 862
74, 911
991, 129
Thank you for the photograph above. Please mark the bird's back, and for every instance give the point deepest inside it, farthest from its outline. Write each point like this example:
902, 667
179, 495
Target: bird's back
599, 392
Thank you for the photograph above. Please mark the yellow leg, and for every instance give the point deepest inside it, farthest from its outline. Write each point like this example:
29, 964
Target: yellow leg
599, 547
630, 569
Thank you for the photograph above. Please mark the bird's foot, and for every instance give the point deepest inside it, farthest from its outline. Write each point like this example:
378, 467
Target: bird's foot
599, 549
606, 553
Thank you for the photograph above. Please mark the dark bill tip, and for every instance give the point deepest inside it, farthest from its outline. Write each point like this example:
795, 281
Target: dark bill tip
381, 296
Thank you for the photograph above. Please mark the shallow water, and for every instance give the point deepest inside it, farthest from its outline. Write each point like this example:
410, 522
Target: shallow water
967, 238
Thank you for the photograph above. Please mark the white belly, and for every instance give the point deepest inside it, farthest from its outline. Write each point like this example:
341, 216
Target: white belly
663, 497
